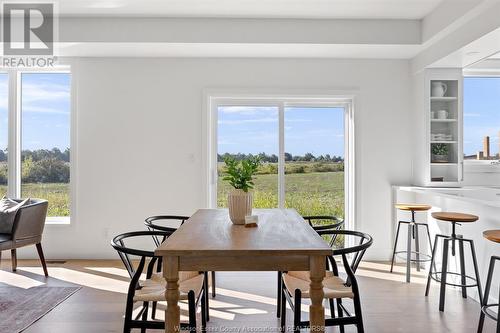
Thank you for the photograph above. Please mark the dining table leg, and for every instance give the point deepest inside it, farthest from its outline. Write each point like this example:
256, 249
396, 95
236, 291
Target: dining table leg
316, 310
172, 294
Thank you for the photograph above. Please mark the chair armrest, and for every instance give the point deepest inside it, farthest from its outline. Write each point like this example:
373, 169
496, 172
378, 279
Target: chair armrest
30, 220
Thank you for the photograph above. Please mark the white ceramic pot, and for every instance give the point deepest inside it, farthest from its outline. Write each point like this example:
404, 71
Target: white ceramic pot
240, 205
438, 89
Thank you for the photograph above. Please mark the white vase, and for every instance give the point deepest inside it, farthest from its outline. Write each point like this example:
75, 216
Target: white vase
438, 89
240, 205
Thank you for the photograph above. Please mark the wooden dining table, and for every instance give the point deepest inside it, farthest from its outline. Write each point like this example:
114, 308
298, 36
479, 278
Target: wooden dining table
209, 241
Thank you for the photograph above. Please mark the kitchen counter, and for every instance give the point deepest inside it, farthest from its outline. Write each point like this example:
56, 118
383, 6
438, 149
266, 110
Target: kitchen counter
483, 195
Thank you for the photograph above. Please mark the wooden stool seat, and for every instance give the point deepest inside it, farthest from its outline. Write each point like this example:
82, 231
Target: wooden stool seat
492, 235
454, 217
413, 207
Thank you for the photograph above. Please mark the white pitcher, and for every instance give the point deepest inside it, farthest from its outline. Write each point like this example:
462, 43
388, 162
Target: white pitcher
438, 89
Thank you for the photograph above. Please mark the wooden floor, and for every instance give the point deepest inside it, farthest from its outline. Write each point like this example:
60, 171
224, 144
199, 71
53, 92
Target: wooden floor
243, 300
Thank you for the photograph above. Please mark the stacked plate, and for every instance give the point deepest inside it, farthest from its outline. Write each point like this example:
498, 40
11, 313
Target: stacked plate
441, 137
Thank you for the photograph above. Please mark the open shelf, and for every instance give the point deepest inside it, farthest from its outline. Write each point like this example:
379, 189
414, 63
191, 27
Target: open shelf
449, 171
444, 99
442, 164
443, 141
443, 120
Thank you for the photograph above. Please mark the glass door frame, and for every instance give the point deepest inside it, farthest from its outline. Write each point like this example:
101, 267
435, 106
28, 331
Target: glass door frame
210, 119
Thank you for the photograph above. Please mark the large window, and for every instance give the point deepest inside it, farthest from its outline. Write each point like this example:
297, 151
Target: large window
481, 118
4, 132
39, 138
301, 144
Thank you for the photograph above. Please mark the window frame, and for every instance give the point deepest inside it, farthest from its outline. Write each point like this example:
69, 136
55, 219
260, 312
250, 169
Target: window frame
480, 166
343, 99
15, 136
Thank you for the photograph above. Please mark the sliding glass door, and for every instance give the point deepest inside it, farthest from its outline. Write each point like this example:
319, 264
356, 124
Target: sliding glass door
302, 146
245, 131
314, 160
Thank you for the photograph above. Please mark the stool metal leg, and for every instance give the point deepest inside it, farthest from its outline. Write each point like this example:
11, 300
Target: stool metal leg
408, 253
476, 269
278, 304
395, 246
430, 241
433, 257
498, 311
484, 301
417, 246
462, 267
444, 268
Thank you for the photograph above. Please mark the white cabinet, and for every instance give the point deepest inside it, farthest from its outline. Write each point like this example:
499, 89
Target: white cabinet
438, 158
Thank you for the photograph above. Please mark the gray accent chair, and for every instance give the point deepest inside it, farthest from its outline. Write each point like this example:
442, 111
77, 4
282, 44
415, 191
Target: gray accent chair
27, 230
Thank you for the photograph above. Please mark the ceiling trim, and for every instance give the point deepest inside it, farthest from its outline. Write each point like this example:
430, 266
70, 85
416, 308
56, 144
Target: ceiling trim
264, 31
237, 50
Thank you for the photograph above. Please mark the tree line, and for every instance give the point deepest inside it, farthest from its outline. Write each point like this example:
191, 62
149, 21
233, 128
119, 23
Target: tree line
39, 166
273, 158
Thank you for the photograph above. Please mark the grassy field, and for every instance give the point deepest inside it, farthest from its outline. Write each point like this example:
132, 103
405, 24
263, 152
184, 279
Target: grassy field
56, 193
316, 193
310, 193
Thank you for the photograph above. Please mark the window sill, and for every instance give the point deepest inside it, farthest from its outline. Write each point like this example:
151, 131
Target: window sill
57, 220
486, 167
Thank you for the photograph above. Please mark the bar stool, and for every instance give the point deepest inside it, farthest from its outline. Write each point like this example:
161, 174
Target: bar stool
412, 234
494, 236
441, 277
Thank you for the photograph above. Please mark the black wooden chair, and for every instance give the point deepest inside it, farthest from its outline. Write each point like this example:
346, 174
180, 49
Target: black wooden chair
192, 285
168, 223
172, 223
318, 223
324, 222
295, 285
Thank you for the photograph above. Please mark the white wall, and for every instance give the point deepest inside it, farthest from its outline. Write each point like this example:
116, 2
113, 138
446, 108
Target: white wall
139, 123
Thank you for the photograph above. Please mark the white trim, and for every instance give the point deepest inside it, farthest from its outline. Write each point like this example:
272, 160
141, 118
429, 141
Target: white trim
73, 155
486, 73
280, 99
281, 155
14, 144
349, 166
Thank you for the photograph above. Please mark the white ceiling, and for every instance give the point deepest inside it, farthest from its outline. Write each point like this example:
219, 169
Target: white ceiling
473, 54
349, 9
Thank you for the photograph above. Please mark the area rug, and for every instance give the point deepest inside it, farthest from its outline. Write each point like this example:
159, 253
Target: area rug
20, 308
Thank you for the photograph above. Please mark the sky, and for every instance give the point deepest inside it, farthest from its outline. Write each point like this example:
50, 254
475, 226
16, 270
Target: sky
45, 110
481, 113
247, 129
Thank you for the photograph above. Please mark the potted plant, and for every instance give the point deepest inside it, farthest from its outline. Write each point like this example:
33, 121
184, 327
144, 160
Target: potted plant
439, 152
240, 177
